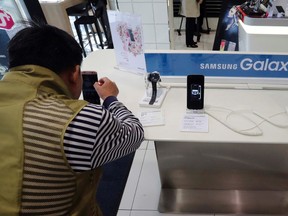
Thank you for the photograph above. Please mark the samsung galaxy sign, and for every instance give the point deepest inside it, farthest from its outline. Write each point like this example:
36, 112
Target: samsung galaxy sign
219, 64
249, 64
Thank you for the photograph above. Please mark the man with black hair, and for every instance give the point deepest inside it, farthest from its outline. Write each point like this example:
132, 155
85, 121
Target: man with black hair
52, 144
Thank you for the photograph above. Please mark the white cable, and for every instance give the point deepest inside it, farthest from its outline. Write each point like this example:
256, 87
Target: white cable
248, 130
270, 120
231, 127
256, 125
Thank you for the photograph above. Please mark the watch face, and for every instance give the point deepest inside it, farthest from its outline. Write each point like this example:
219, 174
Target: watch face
154, 77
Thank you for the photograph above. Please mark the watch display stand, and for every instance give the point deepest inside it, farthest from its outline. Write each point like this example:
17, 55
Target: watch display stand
161, 94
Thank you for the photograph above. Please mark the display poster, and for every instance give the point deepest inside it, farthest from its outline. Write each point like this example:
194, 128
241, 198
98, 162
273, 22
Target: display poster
10, 23
219, 64
127, 36
226, 37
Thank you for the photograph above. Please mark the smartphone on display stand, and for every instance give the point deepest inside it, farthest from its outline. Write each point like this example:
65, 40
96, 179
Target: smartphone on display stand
195, 92
89, 92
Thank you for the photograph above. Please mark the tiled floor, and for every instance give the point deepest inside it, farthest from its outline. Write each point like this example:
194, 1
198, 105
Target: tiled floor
206, 41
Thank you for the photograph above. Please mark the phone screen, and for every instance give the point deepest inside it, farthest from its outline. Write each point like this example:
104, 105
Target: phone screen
195, 91
89, 92
196, 94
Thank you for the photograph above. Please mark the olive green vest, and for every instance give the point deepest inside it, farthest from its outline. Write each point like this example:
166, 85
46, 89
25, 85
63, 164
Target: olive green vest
35, 176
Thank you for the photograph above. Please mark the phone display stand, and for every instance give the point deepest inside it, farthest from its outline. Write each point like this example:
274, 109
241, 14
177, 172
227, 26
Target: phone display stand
161, 94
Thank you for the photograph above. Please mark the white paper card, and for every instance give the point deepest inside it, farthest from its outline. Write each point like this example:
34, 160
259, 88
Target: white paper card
152, 118
127, 36
195, 122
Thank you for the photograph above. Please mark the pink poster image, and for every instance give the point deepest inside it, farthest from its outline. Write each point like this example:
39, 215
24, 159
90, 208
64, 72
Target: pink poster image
127, 35
6, 20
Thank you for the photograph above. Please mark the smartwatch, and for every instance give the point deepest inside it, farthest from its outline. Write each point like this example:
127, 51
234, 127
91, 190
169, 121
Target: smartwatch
153, 78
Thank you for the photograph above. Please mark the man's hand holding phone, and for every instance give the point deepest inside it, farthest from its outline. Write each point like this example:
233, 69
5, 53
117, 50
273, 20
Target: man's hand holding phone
105, 88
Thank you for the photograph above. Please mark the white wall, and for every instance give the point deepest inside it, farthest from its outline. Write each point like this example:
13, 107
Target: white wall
154, 14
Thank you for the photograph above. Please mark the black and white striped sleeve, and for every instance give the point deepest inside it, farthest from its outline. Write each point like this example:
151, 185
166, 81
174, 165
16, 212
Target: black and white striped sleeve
96, 136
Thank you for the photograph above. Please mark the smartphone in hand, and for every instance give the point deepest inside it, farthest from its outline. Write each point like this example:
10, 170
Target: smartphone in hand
89, 92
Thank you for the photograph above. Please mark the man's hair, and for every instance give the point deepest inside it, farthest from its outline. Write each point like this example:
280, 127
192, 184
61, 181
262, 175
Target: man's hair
46, 46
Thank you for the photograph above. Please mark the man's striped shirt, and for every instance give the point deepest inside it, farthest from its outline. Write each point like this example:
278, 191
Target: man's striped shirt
98, 135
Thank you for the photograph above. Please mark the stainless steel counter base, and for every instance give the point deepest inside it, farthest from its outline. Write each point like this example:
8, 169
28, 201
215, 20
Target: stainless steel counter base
223, 178
223, 201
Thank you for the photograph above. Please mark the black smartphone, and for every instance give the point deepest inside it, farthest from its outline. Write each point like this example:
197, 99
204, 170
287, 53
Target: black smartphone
195, 91
280, 9
131, 35
89, 92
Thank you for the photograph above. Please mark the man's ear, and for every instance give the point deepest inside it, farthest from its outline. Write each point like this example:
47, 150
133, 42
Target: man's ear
73, 80
75, 74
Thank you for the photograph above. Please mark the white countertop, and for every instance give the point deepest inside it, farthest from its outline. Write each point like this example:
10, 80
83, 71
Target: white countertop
266, 102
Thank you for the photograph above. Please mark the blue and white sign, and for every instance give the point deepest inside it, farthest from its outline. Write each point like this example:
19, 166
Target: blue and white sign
219, 64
